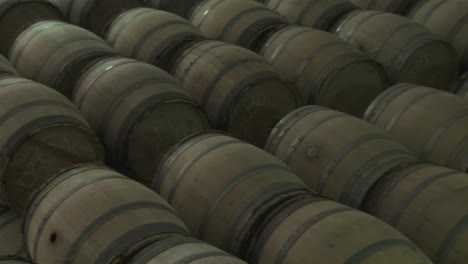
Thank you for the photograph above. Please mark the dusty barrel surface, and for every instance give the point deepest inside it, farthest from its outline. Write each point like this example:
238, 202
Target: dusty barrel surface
448, 18
320, 14
390, 6
463, 87
240, 91
65, 51
11, 235
139, 112
317, 230
336, 154
428, 204
243, 23
178, 249
97, 15
6, 68
17, 15
181, 8
150, 35
327, 71
118, 217
233, 184
41, 133
404, 111
409, 52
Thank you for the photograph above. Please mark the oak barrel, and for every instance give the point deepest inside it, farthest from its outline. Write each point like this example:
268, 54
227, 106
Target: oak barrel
408, 51
319, 14
6, 68
448, 18
117, 218
187, 250
389, 6
243, 23
65, 51
327, 71
152, 36
463, 87
17, 15
430, 122
241, 92
316, 230
41, 133
97, 15
232, 183
11, 235
337, 155
138, 111
428, 204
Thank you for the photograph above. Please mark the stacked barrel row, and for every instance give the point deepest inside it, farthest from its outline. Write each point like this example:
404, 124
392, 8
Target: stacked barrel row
248, 203
445, 17
144, 219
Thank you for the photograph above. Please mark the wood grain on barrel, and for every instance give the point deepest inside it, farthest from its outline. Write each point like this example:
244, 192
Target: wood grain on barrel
65, 51
430, 122
139, 112
41, 133
336, 154
408, 51
178, 249
152, 36
327, 71
243, 23
317, 230
428, 204
449, 18
231, 182
17, 15
112, 216
241, 92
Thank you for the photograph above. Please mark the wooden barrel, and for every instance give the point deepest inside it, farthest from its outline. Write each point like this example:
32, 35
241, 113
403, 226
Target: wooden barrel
448, 18
430, 122
11, 235
5, 67
139, 112
336, 154
187, 250
41, 133
151, 36
320, 14
409, 52
316, 230
241, 92
243, 23
17, 15
232, 183
327, 71
65, 51
428, 204
389, 6
463, 87
117, 218
97, 15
